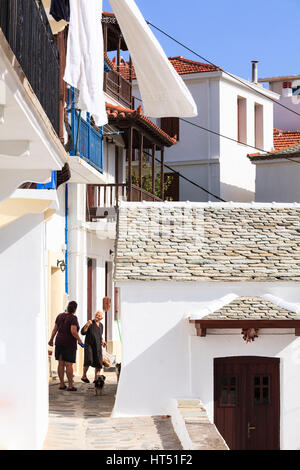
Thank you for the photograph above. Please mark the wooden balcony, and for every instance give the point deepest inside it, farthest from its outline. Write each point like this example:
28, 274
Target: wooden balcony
102, 198
139, 195
118, 88
27, 30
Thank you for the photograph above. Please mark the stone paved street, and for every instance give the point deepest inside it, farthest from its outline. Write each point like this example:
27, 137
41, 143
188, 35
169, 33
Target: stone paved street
81, 420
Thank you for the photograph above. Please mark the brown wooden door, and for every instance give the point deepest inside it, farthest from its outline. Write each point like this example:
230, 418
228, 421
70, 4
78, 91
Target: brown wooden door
247, 402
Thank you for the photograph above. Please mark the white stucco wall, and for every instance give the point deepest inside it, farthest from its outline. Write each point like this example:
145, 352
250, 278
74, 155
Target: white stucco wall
163, 358
237, 174
284, 119
83, 244
55, 227
277, 181
23, 337
234, 178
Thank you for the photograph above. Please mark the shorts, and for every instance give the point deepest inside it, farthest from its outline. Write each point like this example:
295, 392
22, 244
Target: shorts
65, 354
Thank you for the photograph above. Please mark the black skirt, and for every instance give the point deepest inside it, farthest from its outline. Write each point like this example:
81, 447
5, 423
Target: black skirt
93, 346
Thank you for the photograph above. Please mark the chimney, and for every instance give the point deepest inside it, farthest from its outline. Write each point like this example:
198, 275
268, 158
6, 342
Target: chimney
287, 89
254, 71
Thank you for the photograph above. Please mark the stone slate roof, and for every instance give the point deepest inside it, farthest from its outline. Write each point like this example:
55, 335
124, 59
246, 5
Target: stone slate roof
208, 242
252, 308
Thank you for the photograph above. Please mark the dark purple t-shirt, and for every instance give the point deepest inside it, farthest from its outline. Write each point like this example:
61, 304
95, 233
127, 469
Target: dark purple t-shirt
64, 337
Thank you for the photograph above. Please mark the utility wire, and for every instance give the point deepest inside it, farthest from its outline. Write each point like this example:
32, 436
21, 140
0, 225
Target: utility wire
226, 137
222, 70
185, 178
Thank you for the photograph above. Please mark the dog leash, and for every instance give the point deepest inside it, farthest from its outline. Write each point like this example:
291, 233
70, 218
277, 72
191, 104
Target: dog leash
119, 329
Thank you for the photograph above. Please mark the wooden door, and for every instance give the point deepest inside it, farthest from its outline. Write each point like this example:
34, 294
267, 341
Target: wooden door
247, 402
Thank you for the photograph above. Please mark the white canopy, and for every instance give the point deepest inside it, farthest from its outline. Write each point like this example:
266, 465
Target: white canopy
162, 90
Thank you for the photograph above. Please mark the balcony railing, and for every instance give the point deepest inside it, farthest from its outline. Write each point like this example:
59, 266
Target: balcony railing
118, 87
27, 30
140, 194
102, 197
87, 141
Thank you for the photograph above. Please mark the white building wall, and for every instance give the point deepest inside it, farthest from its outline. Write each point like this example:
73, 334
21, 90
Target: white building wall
277, 181
216, 99
55, 227
23, 339
163, 358
196, 145
85, 243
284, 119
237, 174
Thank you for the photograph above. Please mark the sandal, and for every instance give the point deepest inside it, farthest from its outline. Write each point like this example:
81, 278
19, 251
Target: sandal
86, 380
63, 388
73, 389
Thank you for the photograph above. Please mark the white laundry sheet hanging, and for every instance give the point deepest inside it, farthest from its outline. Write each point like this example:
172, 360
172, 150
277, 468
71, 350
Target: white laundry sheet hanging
163, 92
85, 57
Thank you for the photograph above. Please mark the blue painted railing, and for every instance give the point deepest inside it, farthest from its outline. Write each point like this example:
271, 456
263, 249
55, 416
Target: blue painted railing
87, 141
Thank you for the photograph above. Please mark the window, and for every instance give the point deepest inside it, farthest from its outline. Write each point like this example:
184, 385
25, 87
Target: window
242, 120
259, 126
228, 396
261, 390
171, 126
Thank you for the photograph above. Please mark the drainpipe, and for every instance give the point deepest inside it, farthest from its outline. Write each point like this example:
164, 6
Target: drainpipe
66, 239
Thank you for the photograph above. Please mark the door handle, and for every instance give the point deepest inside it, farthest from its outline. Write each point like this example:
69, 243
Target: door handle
250, 428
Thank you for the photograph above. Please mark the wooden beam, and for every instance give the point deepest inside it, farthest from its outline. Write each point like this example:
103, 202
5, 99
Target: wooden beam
297, 331
119, 53
162, 172
153, 167
105, 37
129, 160
239, 324
201, 332
141, 161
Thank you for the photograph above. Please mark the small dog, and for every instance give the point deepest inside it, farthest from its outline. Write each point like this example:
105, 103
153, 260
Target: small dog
99, 384
118, 371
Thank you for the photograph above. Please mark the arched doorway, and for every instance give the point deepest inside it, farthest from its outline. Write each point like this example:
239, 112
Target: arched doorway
247, 402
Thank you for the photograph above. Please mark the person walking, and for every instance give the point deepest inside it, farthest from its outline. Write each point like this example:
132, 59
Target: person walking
93, 330
66, 328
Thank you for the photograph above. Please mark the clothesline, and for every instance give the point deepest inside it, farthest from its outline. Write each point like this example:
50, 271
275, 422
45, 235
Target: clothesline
163, 91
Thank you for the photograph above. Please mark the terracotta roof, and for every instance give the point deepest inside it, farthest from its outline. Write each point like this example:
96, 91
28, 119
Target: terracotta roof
181, 65
109, 62
108, 13
285, 139
115, 113
286, 143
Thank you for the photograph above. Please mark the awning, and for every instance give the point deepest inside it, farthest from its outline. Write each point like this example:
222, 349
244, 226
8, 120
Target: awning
250, 312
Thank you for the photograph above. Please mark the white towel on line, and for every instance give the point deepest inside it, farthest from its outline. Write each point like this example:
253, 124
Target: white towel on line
163, 92
85, 57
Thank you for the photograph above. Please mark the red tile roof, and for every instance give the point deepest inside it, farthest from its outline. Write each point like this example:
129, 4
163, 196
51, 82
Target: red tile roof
115, 113
285, 142
285, 139
181, 65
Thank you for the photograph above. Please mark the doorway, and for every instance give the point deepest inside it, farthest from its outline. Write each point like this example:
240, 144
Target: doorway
247, 402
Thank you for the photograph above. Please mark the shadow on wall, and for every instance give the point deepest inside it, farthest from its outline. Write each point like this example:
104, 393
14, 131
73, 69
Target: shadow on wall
235, 193
157, 374
12, 233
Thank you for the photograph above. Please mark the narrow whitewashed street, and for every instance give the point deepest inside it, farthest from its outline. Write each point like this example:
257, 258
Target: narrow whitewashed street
81, 421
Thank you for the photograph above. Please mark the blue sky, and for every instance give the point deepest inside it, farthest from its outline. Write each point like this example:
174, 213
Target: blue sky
230, 33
